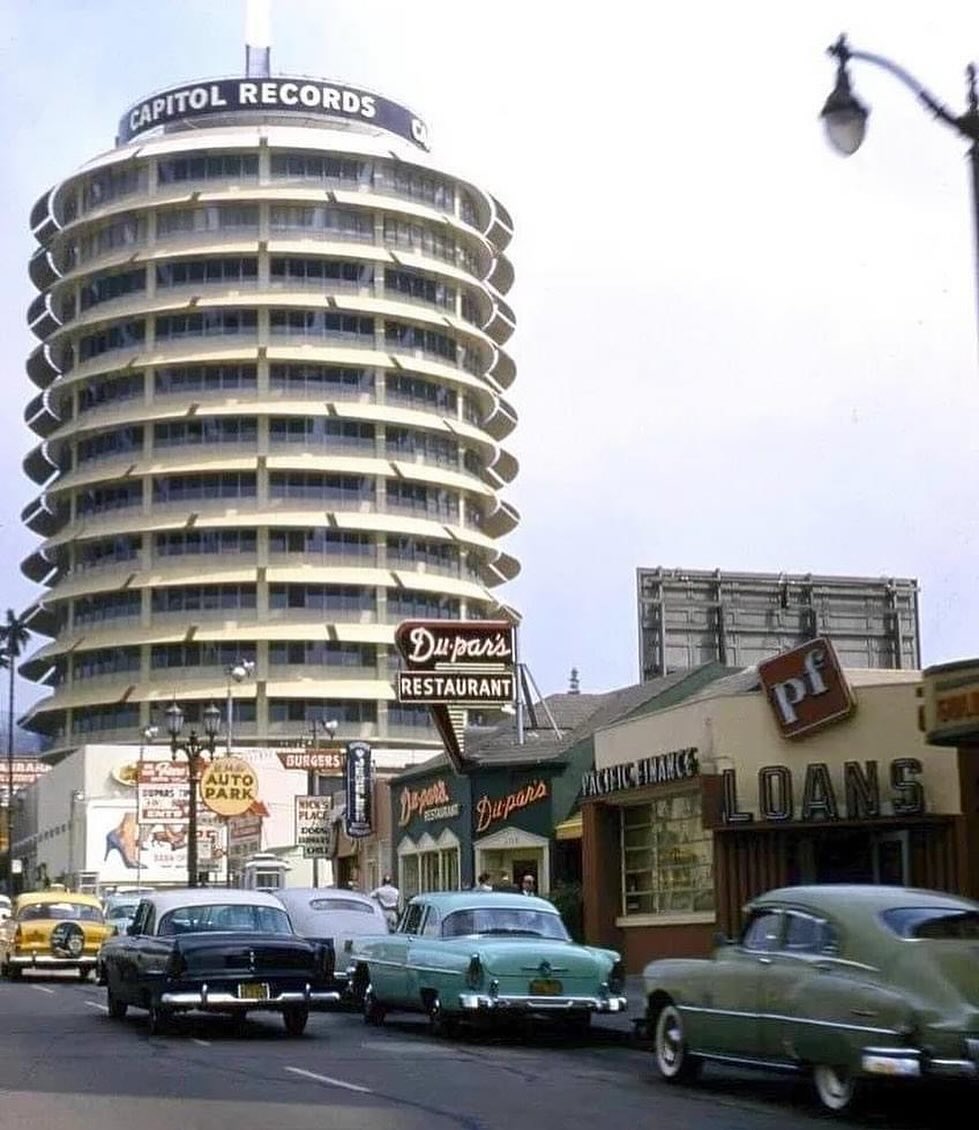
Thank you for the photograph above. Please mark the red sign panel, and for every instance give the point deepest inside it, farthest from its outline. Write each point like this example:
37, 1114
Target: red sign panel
806, 688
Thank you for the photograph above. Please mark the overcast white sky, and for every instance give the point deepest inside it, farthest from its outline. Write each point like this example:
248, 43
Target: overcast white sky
735, 349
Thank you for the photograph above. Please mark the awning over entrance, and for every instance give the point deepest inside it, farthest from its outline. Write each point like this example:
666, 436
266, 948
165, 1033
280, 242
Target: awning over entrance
569, 829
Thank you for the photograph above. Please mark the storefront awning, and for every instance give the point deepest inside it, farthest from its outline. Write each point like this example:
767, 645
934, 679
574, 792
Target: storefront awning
569, 829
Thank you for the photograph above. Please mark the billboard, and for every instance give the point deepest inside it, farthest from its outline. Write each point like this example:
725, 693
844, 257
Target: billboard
120, 849
688, 617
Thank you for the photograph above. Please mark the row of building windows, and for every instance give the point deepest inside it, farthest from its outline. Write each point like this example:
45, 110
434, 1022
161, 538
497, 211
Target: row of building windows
399, 388
242, 220
243, 270
307, 431
355, 328
406, 603
281, 653
316, 486
101, 719
103, 187
360, 548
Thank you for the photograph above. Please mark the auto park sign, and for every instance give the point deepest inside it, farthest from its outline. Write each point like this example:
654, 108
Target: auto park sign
229, 786
451, 665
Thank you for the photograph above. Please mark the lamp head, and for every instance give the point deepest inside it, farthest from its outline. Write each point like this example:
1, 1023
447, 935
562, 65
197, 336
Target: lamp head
175, 719
212, 721
241, 669
844, 116
331, 727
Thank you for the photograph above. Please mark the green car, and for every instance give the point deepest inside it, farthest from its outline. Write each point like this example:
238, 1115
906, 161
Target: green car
845, 983
482, 956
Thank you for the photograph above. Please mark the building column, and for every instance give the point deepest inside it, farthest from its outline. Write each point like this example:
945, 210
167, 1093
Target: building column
601, 874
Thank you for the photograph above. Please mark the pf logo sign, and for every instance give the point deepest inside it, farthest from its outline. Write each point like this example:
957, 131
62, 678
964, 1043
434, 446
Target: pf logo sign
806, 688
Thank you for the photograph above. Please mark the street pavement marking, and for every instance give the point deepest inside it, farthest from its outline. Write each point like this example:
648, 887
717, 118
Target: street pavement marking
95, 1004
201, 1043
43, 989
329, 1081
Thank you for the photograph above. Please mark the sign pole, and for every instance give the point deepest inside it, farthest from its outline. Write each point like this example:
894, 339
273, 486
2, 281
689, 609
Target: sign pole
312, 789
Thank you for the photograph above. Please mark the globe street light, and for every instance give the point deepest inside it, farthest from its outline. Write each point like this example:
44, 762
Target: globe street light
193, 748
237, 672
845, 117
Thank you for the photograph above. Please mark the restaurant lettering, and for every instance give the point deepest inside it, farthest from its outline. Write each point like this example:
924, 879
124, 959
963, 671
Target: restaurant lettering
423, 802
488, 812
660, 769
423, 646
820, 799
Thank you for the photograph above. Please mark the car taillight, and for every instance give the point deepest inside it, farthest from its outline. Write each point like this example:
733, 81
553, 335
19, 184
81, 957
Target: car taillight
177, 965
327, 958
616, 978
474, 972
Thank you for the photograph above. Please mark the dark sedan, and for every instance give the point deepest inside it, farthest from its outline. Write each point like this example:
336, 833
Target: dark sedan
217, 951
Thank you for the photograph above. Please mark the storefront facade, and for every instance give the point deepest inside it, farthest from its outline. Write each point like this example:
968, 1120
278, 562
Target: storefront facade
450, 828
694, 809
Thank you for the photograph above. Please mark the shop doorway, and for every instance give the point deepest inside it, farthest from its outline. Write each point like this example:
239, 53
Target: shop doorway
850, 855
510, 854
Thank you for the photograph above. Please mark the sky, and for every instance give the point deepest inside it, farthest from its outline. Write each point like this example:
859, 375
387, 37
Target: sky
735, 348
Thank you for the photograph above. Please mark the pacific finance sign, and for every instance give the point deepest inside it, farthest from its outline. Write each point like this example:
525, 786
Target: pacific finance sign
281, 95
452, 665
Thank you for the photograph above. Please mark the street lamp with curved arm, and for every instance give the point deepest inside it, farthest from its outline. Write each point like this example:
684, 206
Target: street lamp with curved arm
193, 747
845, 117
237, 672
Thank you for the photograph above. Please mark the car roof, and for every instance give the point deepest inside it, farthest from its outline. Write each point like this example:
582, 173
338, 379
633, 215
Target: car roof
208, 896
30, 898
844, 900
446, 901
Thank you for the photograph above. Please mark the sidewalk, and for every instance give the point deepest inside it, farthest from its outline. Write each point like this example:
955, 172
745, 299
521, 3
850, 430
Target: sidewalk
623, 1024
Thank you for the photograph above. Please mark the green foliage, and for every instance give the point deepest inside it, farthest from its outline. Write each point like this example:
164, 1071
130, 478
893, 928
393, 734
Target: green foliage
569, 900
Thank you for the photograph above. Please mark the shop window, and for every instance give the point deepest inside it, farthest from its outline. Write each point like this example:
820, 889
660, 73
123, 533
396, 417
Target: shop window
409, 875
667, 857
449, 865
433, 870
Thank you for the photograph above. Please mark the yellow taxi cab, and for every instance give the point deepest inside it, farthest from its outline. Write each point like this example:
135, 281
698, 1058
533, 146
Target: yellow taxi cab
52, 929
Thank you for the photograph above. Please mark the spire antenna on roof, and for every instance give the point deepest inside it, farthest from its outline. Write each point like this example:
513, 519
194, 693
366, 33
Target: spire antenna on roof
258, 51
575, 687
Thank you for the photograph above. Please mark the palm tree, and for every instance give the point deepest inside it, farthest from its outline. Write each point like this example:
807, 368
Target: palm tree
13, 636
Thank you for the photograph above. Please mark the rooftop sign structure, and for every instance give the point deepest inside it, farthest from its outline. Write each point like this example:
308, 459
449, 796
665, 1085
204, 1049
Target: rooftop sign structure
303, 98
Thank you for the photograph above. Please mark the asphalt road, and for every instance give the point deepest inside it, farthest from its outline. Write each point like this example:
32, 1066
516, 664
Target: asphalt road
65, 1066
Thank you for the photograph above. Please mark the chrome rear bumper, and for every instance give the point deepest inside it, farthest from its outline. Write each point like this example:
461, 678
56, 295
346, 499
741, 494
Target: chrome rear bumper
219, 1000
480, 1002
50, 961
911, 1063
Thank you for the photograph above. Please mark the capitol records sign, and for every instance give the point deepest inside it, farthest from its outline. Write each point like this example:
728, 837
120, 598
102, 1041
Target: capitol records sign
454, 664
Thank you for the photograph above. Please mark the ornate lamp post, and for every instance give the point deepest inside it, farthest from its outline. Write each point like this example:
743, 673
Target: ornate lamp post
193, 748
845, 118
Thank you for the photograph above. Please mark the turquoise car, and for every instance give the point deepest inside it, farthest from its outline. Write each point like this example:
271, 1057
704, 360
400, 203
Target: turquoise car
483, 956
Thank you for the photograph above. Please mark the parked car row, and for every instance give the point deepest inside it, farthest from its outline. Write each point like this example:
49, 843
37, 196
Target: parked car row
845, 984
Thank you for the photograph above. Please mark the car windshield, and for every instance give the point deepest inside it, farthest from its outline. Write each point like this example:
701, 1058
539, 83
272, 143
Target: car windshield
349, 905
223, 918
503, 921
937, 922
122, 910
73, 911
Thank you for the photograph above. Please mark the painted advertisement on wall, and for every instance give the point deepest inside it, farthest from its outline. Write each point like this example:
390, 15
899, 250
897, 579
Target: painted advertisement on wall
123, 850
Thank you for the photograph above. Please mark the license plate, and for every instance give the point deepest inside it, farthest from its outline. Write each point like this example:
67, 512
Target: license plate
545, 988
253, 991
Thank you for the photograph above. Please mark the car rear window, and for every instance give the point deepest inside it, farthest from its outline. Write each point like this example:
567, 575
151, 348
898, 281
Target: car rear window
341, 904
937, 922
225, 918
61, 911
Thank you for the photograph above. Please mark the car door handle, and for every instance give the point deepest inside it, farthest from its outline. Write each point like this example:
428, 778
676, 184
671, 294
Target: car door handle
764, 961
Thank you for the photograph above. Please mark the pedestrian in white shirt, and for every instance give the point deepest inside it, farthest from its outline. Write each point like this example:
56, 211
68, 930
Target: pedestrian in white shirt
388, 897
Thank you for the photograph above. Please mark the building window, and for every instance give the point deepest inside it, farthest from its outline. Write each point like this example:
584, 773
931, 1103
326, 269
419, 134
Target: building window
427, 870
667, 857
205, 378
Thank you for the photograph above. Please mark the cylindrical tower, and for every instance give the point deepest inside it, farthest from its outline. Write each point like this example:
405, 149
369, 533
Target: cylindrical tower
271, 413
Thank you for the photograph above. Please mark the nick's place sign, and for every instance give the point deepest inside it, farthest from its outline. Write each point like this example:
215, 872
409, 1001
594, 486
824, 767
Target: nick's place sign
660, 769
305, 97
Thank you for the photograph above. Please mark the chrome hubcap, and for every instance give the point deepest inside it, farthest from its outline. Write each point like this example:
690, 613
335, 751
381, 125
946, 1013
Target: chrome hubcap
670, 1041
